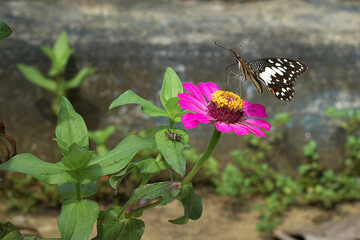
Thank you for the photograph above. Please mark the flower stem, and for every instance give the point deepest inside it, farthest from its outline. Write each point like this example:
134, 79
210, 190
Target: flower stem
78, 192
171, 123
211, 147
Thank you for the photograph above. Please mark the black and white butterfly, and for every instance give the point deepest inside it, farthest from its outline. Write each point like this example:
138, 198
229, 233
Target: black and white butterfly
278, 74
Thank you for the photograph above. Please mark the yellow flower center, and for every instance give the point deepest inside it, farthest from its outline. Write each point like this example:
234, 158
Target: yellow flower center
228, 99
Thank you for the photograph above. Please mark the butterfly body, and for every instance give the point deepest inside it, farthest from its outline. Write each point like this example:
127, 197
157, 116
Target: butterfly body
247, 72
277, 74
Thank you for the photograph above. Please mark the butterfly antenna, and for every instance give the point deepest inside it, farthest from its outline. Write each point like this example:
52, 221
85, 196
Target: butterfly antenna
222, 46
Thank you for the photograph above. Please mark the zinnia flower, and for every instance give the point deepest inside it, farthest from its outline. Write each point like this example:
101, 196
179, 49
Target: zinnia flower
225, 109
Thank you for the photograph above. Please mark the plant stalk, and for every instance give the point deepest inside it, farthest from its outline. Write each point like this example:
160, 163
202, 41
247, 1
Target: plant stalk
78, 192
211, 147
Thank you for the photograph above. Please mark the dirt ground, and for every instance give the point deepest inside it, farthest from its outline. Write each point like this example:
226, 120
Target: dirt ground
223, 218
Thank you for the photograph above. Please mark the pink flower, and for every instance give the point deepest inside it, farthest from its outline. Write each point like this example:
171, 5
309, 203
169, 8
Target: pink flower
225, 109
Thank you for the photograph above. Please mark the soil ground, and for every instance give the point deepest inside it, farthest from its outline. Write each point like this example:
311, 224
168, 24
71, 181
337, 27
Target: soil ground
223, 218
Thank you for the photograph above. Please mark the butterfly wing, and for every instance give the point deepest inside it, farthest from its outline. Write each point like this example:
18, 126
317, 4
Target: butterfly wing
278, 74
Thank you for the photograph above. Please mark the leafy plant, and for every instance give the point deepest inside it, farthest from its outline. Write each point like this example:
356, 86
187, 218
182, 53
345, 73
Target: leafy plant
76, 172
252, 174
349, 121
310, 150
314, 184
59, 55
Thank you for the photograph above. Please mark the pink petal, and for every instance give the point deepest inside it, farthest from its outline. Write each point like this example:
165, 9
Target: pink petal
259, 123
254, 130
195, 91
192, 120
191, 99
254, 110
208, 88
223, 127
190, 106
240, 129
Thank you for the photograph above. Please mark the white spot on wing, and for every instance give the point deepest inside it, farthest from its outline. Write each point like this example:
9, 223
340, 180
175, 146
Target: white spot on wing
266, 77
281, 69
278, 71
270, 71
270, 61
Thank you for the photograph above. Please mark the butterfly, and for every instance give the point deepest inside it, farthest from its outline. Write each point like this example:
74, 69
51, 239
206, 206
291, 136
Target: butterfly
277, 74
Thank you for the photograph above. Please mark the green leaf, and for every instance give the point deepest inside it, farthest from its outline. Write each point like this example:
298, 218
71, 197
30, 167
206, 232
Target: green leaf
147, 166
62, 51
172, 106
68, 190
171, 86
173, 151
110, 227
79, 78
192, 205
36, 77
129, 97
180, 220
5, 30
47, 172
9, 232
197, 208
70, 128
166, 190
50, 54
77, 157
77, 219
187, 198
100, 136
116, 159
115, 180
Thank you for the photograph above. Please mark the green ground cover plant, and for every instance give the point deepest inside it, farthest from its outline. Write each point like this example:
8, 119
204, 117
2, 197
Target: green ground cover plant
252, 175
